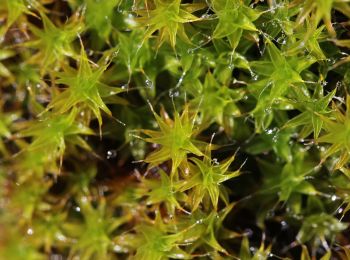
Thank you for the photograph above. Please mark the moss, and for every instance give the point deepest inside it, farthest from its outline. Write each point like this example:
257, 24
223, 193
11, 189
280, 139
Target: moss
157, 129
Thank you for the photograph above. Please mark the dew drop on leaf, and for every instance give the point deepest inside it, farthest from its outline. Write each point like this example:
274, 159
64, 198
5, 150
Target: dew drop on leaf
111, 154
30, 231
149, 84
174, 93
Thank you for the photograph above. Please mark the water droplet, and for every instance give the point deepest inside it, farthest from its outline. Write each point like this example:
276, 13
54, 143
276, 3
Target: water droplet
30, 231
130, 21
200, 221
275, 138
205, 16
334, 198
174, 93
117, 248
270, 214
77, 209
269, 131
60, 237
253, 75
149, 83
215, 161
331, 61
284, 225
111, 154
267, 110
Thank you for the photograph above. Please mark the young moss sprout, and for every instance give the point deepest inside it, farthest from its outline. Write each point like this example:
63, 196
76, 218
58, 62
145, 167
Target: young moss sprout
107, 115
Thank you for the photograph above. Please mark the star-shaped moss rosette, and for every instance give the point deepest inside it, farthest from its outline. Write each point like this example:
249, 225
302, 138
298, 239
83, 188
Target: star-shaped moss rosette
162, 191
311, 108
321, 10
204, 181
84, 89
269, 78
168, 18
319, 227
50, 135
15, 11
99, 15
154, 239
53, 43
203, 231
292, 180
176, 138
94, 234
279, 76
234, 17
263, 252
337, 134
216, 102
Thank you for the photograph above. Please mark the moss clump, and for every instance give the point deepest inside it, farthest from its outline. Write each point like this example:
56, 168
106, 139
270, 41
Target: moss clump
157, 129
